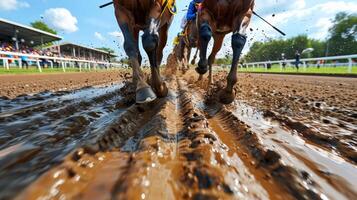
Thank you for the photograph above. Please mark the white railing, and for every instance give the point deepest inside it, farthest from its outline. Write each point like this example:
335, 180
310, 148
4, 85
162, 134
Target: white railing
64, 62
306, 60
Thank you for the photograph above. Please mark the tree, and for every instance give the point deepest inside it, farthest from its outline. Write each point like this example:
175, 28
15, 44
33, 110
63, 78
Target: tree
227, 60
42, 26
272, 50
106, 49
343, 35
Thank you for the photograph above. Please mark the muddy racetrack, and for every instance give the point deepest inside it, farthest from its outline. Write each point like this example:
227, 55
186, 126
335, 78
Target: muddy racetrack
285, 137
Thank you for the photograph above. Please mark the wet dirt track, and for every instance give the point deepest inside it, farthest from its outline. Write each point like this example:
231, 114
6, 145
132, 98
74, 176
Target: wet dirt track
95, 143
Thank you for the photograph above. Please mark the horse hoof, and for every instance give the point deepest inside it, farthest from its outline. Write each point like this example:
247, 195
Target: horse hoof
226, 97
201, 70
202, 67
145, 95
162, 91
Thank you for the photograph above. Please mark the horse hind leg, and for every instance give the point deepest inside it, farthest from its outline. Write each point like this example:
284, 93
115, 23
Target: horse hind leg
193, 61
187, 60
218, 41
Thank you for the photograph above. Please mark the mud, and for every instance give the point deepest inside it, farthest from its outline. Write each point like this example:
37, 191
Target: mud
12, 86
95, 143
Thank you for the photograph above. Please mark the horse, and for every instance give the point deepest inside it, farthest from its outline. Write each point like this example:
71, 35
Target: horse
187, 41
154, 18
216, 19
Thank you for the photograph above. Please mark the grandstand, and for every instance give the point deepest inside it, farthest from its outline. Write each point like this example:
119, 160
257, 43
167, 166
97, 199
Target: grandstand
79, 51
21, 44
19, 35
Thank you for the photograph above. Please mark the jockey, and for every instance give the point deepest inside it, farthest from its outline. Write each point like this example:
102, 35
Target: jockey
192, 12
177, 39
192, 9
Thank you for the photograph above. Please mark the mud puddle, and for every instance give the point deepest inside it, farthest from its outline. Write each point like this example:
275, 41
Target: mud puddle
333, 173
37, 131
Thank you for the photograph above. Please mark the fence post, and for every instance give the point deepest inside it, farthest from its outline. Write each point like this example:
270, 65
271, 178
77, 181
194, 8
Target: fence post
281, 66
6, 63
39, 66
20, 63
63, 68
80, 67
304, 64
265, 66
350, 65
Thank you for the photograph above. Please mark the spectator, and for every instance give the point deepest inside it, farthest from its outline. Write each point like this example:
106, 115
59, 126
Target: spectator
284, 60
269, 65
297, 60
24, 60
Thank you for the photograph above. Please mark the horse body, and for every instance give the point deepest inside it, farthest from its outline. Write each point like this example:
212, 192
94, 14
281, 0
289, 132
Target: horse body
223, 14
154, 18
218, 18
187, 41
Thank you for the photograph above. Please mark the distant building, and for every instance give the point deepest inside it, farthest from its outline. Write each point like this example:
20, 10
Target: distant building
19, 35
81, 52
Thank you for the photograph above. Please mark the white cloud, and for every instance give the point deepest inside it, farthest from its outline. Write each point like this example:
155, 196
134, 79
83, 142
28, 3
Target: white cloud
99, 36
8, 5
312, 20
116, 34
119, 37
328, 8
322, 26
61, 19
278, 5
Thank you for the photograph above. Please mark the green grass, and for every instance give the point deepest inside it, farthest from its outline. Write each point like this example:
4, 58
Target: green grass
34, 70
309, 70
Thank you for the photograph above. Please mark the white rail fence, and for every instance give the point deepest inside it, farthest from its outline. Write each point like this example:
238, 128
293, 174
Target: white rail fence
307, 62
64, 63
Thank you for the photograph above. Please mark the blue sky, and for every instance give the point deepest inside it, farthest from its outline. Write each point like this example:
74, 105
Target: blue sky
82, 22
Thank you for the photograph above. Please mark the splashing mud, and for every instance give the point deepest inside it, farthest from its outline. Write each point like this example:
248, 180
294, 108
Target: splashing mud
95, 143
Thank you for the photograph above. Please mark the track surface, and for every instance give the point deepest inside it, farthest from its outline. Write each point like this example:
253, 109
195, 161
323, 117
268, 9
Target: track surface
12, 86
95, 143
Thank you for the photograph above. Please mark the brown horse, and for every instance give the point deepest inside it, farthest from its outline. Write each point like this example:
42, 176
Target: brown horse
187, 41
218, 18
154, 17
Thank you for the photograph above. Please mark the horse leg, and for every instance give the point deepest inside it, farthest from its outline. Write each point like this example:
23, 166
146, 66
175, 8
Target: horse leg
150, 41
187, 59
205, 34
143, 91
239, 39
218, 41
193, 61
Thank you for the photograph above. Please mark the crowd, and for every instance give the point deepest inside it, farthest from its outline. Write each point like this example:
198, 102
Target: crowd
27, 60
